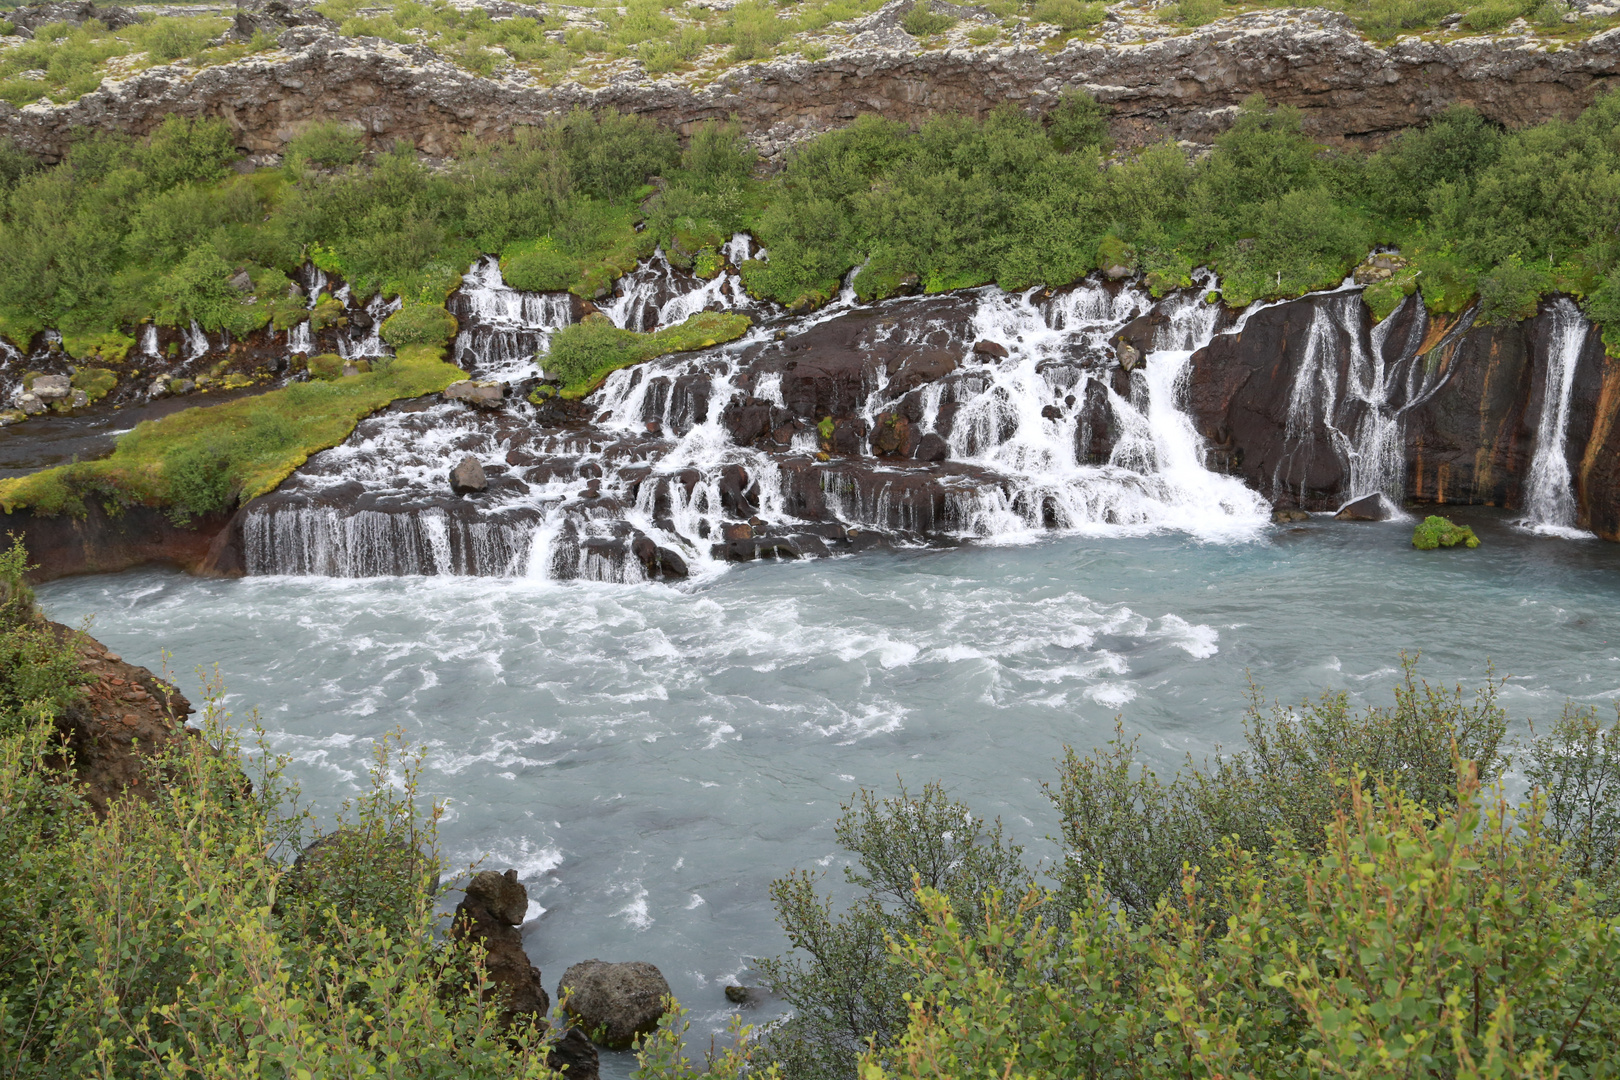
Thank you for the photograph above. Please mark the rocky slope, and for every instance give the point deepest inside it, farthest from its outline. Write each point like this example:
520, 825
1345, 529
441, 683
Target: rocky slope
1178, 86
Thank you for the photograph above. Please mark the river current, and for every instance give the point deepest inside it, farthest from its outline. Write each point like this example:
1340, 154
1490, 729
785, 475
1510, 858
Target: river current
651, 757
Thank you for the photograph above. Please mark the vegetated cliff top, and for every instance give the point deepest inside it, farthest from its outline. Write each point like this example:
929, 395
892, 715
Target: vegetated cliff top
431, 72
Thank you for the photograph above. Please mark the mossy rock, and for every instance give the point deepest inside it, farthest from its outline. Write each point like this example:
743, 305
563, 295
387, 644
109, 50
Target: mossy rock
708, 263
96, 382
326, 312
1438, 532
325, 366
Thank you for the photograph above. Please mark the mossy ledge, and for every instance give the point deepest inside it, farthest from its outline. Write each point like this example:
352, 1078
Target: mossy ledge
205, 460
586, 353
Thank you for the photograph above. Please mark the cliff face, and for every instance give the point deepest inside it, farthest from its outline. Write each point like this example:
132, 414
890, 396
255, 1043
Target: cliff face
1179, 87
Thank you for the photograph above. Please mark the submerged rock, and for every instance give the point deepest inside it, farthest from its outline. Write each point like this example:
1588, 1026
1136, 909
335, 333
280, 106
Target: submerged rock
614, 1002
468, 477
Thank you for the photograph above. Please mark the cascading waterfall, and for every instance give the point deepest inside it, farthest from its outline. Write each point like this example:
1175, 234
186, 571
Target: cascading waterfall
653, 465
149, 341
1549, 491
504, 331
1365, 426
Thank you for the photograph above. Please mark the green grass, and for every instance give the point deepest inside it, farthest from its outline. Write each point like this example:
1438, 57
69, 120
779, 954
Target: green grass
207, 459
584, 354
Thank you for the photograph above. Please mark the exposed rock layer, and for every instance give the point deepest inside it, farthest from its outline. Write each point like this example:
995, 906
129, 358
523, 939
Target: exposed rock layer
1182, 87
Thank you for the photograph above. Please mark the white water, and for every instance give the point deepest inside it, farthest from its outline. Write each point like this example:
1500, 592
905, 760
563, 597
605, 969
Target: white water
1549, 491
505, 331
1366, 426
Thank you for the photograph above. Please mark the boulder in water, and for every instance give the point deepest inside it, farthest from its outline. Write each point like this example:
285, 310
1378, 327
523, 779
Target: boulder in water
932, 447
614, 1002
574, 1055
1288, 515
1128, 356
50, 388
30, 404
468, 477
483, 394
1367, 508
1438, 532
986, 347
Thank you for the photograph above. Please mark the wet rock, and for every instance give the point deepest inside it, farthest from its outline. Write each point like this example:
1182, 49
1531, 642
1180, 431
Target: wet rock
468, 476
1128, 356
849, 437
735, 493
737, 995
1366, 508
993, 349
892, 437
658, 562
490, 913
574, 1055
614, 1002
12, 416
49, 388
181, 386
30, 404
1052, 412
922, 367
484, 395
1285, 516
932, 447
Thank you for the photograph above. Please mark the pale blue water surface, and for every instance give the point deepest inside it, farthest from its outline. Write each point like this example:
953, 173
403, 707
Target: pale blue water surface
649, 757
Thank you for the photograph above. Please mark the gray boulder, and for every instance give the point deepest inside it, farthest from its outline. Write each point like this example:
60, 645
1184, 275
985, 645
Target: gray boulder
30, 404
485, 395
614, 1003
51, 387
468, 477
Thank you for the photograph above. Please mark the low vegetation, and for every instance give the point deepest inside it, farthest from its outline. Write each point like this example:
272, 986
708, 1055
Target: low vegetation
1438, 532
205, 460
1348, 894
584, 354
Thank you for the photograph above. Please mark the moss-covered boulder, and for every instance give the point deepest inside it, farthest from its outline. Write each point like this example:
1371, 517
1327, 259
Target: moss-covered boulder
1438, 532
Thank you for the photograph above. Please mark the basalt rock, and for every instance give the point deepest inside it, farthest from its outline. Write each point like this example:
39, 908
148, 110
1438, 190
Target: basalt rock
613, 1003
1182, 86
1366, 508
468, 477
490, 913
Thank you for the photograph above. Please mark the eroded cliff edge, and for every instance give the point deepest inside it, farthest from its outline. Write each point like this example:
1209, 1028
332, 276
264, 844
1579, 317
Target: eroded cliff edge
1180, 87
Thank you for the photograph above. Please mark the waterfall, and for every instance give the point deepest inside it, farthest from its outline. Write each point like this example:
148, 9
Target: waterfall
196, 341
655, 474
1365, 427
504, 331
299, 340
368, 342
149, 341
1549, 491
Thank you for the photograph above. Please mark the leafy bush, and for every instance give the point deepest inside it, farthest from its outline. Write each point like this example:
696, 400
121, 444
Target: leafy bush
419, 324
1195, 12
1511, 292
1077, 121
327, 144
39, 672
173, 38
1438, 532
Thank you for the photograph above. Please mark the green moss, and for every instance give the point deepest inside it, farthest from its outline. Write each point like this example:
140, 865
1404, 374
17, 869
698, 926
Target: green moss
325, 366
1438, 532
204, 459
1385, 296
541, 268
96, 382
707, 263
109, 346
584, 354
825, 428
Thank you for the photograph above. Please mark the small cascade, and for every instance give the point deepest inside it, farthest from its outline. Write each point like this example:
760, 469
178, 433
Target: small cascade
1355, 386
1549, 491
658, 294
196, 342
149, 341
363, 338
504, 331
300, 342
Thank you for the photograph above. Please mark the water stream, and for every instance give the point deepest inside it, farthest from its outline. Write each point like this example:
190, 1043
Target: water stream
1549, 489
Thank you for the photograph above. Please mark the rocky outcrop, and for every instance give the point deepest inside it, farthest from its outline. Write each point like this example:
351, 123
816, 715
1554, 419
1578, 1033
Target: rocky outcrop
614, 1003
494, 907
102, 543
125, 720
1180, 87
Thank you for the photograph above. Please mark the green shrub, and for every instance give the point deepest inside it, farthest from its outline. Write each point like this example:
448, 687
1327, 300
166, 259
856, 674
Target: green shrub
1070, 14
920, 20
327, 144
585, 353
1077, 121
419, 324
1494, 14
1194, 12
1438, 532
172, 38
1511, 292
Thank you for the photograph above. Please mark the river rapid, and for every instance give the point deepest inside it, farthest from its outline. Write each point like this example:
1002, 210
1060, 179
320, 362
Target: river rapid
651, 756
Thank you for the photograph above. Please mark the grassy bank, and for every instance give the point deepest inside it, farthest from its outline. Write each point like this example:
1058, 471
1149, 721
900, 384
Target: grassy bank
207, 459
586, 353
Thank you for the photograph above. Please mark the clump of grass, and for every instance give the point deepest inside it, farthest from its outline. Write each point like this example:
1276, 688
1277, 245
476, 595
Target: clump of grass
1070, 15
1194, 12
921, 20
584, 354
1438, 532
205, 460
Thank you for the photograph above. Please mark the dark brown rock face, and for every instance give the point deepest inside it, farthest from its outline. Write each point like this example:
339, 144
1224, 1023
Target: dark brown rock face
100, 543
1177, 87
1290, 403
490, 913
